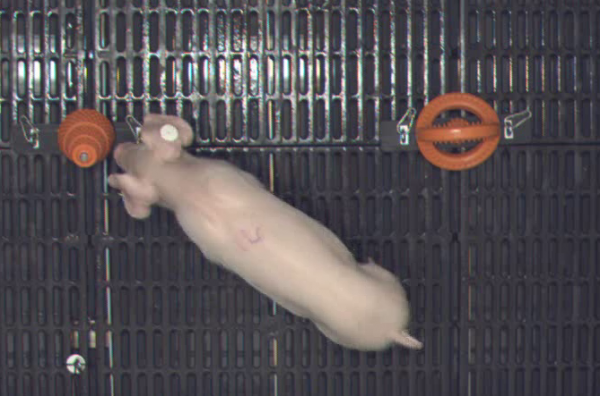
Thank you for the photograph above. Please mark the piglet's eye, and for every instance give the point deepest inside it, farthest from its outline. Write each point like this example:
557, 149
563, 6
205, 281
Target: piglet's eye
169, 133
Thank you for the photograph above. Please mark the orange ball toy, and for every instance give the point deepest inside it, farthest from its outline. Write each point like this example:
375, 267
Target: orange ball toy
86, 137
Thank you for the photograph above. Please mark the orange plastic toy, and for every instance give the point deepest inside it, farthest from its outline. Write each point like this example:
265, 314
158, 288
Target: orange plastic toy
86, 137
458, 131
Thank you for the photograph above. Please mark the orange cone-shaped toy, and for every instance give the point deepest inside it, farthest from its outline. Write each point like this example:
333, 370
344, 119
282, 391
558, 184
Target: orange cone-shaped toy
86, 137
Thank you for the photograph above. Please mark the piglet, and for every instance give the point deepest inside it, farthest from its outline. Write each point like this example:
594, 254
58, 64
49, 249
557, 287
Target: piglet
283, 253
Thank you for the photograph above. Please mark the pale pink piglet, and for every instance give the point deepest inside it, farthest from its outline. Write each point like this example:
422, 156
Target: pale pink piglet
277, 249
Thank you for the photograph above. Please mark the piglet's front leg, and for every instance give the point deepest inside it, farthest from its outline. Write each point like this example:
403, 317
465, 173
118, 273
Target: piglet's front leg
138, 196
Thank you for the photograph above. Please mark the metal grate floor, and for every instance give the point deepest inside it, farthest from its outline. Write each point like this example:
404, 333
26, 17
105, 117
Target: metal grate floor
500, 262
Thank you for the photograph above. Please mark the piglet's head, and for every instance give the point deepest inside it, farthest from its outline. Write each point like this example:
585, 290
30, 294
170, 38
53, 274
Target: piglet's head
161, 140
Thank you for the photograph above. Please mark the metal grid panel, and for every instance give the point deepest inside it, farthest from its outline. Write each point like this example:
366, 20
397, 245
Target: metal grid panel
531, 244
42, 61
178, 323
42, 197
279, 73
529, 215
44, 317
274, 73
44, 282
540, 54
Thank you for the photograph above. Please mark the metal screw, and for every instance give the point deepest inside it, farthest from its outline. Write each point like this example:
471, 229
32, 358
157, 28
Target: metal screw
84, 157
76, 364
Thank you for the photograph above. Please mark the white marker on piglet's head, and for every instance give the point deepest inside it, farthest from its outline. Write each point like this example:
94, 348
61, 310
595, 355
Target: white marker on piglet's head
169, 133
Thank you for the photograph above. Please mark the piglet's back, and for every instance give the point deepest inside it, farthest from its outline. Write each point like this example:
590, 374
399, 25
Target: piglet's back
245, 202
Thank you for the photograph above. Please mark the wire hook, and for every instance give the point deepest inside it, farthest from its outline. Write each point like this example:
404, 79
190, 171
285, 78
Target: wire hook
509, 122
30, 131
405, 125
135, 127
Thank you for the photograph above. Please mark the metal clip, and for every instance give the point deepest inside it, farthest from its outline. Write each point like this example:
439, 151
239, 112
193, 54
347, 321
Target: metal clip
30, 132
405, 125
135, 126
510, 125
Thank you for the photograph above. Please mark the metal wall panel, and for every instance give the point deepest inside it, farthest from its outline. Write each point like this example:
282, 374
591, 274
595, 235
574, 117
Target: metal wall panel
42, 60
541, 54
274, 73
